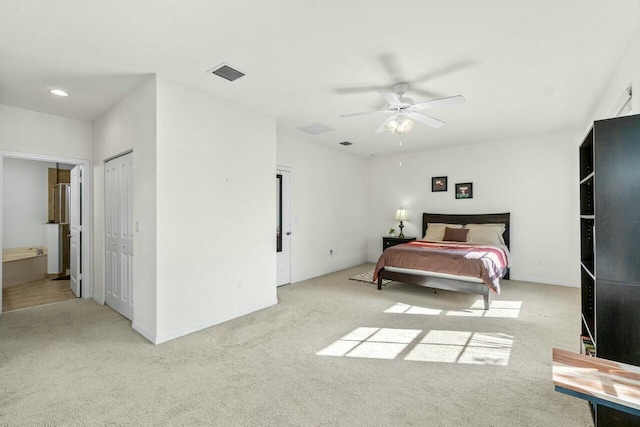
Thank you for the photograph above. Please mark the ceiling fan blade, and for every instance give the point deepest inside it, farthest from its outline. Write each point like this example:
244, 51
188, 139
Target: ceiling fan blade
390, 97
362, 114
442, 102
390, 63
358, 89
426, 93
423, 118
445, 70
383, 126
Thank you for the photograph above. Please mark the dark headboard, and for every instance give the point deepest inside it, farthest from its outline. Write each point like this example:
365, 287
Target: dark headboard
499, 218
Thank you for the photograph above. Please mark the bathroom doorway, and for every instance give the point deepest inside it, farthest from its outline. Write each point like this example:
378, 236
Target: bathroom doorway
42, 235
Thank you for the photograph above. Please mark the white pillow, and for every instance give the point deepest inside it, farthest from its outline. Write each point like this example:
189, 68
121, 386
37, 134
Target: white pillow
435, 231
486, 233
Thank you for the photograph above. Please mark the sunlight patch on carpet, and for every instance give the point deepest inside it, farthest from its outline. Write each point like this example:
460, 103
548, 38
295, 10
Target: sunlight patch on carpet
371, 343
505, 309
400, 308
476, 348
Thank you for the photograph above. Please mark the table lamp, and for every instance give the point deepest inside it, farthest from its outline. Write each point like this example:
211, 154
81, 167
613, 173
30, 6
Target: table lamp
401, 215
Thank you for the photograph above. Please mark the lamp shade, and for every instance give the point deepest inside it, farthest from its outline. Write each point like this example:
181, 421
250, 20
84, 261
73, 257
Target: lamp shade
401, 214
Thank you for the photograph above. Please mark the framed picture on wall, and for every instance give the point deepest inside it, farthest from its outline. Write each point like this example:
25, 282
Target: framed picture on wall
438, 183
464, 190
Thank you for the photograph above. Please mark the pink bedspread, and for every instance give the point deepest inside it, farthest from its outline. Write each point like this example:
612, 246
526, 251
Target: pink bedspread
486, 262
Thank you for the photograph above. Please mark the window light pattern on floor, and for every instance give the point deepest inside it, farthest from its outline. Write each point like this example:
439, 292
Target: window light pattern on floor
372, 343
510, 309
477, 348
480, 348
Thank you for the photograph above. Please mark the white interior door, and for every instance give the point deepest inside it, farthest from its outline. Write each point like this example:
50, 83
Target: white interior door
119, 234
283, 226
75, 230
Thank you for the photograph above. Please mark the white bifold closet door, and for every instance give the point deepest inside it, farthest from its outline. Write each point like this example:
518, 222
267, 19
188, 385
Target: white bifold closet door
119, 234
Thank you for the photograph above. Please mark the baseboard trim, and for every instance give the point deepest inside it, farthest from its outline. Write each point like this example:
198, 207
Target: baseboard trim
142, 331
332, 269
98, 300
168, 337
546, 281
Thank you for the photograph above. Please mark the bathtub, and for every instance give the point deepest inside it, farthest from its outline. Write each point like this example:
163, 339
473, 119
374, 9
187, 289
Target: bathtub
23, 265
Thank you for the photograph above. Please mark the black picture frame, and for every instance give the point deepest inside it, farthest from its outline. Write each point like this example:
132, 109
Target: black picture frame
438, 183
464, 190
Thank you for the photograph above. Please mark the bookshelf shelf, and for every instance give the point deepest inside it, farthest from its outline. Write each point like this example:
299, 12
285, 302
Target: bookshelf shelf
587, 178
588, 267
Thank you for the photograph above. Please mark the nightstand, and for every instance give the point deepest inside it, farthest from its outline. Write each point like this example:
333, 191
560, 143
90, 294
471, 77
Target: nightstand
387, 242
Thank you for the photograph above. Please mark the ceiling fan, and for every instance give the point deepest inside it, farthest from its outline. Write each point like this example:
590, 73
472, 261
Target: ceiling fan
404, 111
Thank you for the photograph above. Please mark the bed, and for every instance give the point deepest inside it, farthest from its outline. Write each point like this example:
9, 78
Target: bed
390, 267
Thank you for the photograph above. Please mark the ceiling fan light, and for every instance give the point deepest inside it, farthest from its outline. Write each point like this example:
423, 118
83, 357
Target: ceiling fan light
400, 126
405, 126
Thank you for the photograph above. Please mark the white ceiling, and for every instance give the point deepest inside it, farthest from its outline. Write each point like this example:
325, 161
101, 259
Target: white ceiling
524, 67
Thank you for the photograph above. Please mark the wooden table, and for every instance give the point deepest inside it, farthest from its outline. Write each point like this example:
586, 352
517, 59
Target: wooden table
600, 381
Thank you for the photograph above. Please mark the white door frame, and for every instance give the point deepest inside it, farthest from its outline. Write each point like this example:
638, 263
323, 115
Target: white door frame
87, 212
289, 208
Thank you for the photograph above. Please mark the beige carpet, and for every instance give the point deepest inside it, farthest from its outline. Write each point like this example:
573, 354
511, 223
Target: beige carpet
77, 363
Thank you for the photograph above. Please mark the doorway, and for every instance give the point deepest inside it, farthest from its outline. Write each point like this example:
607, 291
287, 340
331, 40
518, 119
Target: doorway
283, 226
39, 204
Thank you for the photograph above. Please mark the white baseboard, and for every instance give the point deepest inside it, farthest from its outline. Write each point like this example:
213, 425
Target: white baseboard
98, 300
168, 337
545, 281
330, 270
142, 331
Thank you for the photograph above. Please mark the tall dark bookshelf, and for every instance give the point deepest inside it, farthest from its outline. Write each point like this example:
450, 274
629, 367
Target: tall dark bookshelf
587, 234
610, 247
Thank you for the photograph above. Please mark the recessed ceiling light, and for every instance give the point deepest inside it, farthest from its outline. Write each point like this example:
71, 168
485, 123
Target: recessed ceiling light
316, 129
58, 92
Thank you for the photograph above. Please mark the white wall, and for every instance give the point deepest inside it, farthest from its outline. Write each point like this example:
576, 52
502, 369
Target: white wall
627, 72
25, 202
131, 125
215, 210
535, 178
329, 207
26, 131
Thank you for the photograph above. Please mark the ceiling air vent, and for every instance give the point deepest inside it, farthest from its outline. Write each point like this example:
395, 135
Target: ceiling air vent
226, 72
316, 129
346, 143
